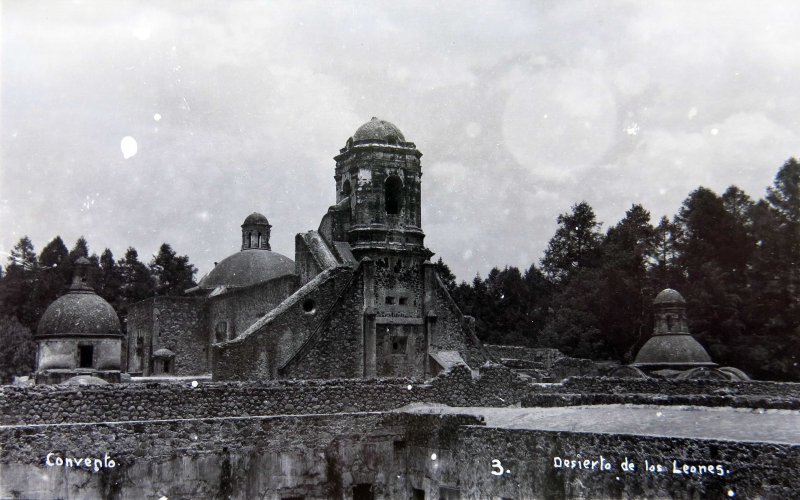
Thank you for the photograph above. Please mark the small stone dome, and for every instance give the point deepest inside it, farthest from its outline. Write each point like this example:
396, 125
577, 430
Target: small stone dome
669, 296
377, 129
247, 268
80, 312
671, 345
255, 218
164, 353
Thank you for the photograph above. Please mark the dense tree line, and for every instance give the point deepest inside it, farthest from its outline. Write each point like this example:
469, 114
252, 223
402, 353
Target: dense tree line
735, 260
30, 283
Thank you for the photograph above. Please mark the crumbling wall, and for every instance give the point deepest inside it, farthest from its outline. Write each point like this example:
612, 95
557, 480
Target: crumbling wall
270, 342
253, 457
669, 387
335, 348
525, 465
240, 308
497, 386
175, 323
232, 448
179, 326
607, 390
545, 356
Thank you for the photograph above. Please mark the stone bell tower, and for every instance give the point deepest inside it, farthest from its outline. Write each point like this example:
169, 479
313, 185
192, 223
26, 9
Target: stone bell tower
378, 179
255, 232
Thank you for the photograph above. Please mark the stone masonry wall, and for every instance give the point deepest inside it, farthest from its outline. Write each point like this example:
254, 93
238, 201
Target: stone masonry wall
464, 462
452, 332
250, 457
259, 353
545, 356
139, 329
181, 329
241, 308
175, 323
497, 386
606, 390
608, 385
335, 348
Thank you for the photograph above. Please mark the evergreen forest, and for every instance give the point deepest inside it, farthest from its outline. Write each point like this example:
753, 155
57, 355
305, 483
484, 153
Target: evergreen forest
735, 259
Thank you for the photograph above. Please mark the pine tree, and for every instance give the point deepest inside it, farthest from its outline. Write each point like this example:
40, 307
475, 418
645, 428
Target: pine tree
17, 289
713, 250
173, 274
664, 270
18, 355
81, 249
575, 244
137, 283
52, 276
626, 289
23, 256
110, 280
446, 275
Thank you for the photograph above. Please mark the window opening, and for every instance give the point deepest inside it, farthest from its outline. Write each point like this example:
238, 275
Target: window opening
363, 492
389, 300
393, 194
399, 345
86, 353
221, 331
309, 306
446, 493
346, 189
403, 301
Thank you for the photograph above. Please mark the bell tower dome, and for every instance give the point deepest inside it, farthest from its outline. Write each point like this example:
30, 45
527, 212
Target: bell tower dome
255, 232
378, 180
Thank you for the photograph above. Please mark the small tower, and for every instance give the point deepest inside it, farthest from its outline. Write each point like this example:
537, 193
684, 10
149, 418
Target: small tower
255, 232
378, 181
671, 346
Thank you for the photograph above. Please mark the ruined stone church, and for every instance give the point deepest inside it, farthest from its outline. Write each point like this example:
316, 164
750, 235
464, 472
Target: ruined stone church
361, 298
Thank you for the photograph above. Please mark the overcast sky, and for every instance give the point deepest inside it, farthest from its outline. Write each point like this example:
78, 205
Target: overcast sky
520, 110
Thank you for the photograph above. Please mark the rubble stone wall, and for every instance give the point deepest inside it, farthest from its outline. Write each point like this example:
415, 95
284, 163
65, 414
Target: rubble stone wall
497, 386
465, 461
667, 387
248, 457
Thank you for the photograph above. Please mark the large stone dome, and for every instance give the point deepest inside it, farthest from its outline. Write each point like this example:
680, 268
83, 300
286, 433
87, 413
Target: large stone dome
79, 313
246, 268
676, 351
377, 129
